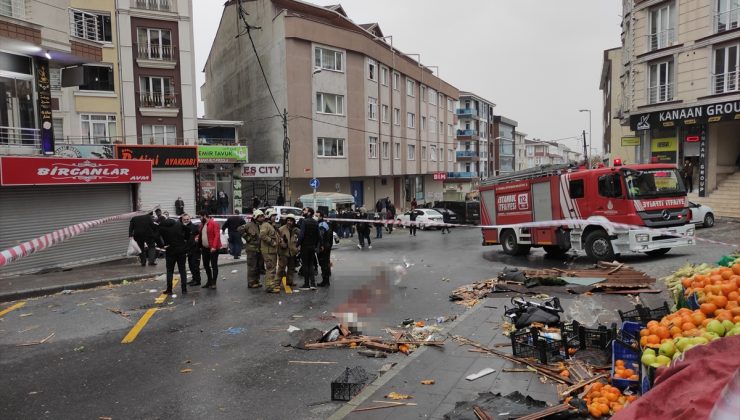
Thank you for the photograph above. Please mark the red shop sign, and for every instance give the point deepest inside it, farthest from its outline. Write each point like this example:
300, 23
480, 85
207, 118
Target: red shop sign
52, 171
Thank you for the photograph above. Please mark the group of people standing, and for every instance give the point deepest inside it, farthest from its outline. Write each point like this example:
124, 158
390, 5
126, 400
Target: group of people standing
215, 204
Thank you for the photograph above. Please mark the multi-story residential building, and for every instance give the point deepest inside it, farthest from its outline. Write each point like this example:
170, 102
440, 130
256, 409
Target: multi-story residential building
619, 142
681, 87
539, 153
503, 150
520, 151
362, 117
474, 137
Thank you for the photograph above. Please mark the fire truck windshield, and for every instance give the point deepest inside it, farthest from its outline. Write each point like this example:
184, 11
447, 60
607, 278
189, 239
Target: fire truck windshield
654, 183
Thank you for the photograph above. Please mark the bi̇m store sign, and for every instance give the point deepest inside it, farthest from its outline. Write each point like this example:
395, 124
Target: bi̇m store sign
711, 113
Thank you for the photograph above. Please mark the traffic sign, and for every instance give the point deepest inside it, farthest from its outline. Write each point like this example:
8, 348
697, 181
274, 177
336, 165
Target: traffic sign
314, 183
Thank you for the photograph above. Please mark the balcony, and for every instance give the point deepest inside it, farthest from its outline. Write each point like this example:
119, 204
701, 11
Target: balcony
461, 176
661, 93
725, 82
467, 135
467, 155
13, 8
20, 141
466, 113
158, 5
725, 21
661, 39
158, 104
156, 56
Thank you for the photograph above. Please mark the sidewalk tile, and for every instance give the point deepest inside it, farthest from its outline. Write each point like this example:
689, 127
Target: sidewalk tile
460, 395
442, 410
444, 381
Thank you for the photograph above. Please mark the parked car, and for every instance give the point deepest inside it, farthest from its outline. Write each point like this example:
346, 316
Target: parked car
466, 211
423, 216
448, 215
701, 215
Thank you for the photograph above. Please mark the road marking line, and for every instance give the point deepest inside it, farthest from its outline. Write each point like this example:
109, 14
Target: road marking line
131, 336
12, 308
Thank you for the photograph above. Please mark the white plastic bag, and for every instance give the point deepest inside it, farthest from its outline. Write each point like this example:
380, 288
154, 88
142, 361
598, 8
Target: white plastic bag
133, 248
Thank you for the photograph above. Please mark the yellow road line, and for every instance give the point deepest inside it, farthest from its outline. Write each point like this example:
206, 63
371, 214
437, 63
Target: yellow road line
131, 336
12, 308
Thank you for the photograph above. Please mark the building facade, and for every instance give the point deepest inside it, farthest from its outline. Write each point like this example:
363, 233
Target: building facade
502, 153
474, 136
618, 141
520, 151
362, 117
680, 85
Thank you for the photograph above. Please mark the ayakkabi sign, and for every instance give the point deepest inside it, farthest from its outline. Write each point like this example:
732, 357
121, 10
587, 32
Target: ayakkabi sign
722, 111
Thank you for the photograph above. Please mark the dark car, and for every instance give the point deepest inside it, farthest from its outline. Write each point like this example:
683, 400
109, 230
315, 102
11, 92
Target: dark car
466, 211
448, 215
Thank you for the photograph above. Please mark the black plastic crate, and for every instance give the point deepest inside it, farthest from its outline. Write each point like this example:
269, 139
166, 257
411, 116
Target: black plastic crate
597, 338
647, 314
529, 343
633, 315
350, 383
570, 334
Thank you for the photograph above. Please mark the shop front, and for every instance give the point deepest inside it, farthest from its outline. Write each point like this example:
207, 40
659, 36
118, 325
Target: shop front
263, 181
173, 175
219, 176
707, 135
39, 195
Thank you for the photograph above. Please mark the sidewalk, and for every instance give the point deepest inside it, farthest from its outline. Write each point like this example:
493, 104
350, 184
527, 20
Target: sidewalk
87, 277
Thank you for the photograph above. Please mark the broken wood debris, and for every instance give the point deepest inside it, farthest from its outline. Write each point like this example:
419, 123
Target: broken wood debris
310, 362
547, 412
469, 295
33, 343
617, 275
481, 413
386, 404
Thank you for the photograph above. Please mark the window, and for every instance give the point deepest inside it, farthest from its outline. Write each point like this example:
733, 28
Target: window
449, 129
610, 186
441, 99
423, 153
576, 188
385, 149
423, 92
396, 116
154, 44
661, 82
97, 78
384, 111
157, 92
662, 32
372, 110
328, 59
58, 124
158, 134
410, 87
432, 125
450, 104
384, 76
90, 26
373, 144
396, 80
328, 103
397, 151
411, 152
728, 12
423, 123
410, 120
432, 97
372, 72
449, 155
97, 128
55, 79
433, 153
725, 76
329, 147
441, 127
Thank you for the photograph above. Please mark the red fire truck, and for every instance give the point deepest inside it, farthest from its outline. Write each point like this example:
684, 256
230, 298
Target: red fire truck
642, 196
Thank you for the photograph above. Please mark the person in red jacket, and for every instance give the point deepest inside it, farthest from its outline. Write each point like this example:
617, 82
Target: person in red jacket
209, 242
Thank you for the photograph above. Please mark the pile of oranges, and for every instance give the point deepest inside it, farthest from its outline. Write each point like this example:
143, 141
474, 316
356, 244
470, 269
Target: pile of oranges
605, 400
623, 371
719, 299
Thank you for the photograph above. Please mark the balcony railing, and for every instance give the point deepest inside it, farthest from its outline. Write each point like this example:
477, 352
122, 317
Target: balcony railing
155, 52
158, 100
661, 39
84, 25
725, 82
162, 5
466, 112
13, 8
462, 175
467, 133
662, 93
19, 141
466, 154
725, 21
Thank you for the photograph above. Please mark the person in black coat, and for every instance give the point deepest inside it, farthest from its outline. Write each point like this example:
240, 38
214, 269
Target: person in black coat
176, 244
143, 230
231, 224
309, 241
193, 251
179, 206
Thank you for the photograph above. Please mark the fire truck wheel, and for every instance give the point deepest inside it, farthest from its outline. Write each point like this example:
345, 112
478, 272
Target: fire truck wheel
599, 246
510, 245
656, 252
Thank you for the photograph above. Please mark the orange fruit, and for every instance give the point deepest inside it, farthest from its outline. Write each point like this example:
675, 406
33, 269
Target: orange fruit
735, 311
686, 326
720, 301
654, 339
604, 407
686, 283
733, 295
736, 268
706, 322
652, 324
676, 331
644, 341
663, 332
708, 308
629, 372
612, 397
594, 411
726, 274
697, 318
736, 319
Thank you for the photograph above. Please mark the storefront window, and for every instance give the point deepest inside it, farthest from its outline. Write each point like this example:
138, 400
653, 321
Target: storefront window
98, 128
17, 112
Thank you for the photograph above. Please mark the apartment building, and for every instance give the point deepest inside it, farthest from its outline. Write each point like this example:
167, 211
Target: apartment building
363, 117
618, 141
502, 152
540, 153
520, 151
680, 84
474, 137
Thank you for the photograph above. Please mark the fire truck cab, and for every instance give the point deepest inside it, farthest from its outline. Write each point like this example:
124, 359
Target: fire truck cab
604, 211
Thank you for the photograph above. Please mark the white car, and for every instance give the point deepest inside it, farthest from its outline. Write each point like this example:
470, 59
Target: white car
284, 211
424, 216
701, 215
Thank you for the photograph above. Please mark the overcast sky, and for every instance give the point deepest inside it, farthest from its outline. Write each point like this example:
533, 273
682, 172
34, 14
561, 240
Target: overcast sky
539, 61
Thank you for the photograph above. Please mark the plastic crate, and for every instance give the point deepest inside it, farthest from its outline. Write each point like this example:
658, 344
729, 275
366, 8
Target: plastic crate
528, 343
350, 383
597, 338
647, 314
647, 378
631, 357
569, 333
630, 332
631, 315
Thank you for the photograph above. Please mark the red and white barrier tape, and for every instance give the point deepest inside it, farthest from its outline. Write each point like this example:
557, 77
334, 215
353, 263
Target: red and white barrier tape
27, 248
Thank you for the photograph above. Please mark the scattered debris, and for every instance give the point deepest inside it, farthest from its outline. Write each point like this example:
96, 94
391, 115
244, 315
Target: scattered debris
469, 295
186, 370
120, 312
80, 349
28, 329
33, 392
373, 354
125, 282
308, 362
66, 292
234, 271
481, 414
427, 382
153, 290
514, 405
547, 412
26, 314
386, 404
616, 275
292, 328
482, 373
396, 396
234, 330
33, 343
350, 383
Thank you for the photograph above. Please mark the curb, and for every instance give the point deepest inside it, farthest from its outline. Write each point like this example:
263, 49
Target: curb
50, 290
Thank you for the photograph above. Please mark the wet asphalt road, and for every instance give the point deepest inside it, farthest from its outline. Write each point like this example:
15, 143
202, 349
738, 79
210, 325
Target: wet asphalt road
232, 339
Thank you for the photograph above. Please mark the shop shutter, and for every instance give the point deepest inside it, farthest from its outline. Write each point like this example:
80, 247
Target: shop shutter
166, 186
29, 212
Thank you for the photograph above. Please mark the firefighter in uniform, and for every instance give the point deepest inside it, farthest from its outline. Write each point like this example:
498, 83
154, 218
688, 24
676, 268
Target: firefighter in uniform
268, 247
288, 250
251, 234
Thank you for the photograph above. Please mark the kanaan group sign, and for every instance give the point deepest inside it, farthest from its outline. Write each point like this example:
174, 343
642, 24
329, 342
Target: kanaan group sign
710, 113
222, 154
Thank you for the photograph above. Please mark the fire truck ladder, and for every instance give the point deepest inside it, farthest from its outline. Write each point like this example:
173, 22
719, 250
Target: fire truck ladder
536, 172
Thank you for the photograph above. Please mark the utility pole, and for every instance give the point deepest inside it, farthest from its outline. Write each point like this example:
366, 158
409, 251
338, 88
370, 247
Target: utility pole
286, 150
585, 149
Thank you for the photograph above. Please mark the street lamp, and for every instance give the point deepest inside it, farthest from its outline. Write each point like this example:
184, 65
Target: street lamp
589, 126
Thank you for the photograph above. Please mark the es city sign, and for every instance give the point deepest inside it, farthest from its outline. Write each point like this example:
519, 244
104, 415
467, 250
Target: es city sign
710, 113
262, 170
15, 170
